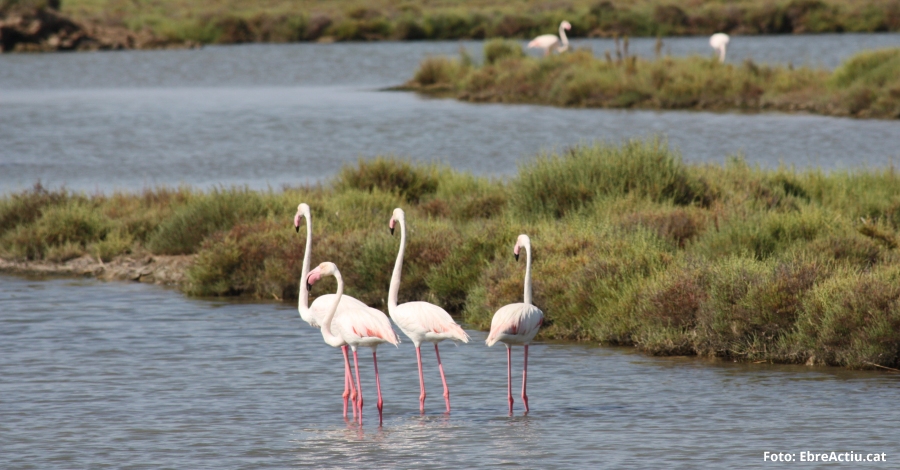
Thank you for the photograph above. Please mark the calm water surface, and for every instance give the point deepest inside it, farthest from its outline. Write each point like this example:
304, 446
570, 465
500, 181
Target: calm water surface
268, 115
117, 375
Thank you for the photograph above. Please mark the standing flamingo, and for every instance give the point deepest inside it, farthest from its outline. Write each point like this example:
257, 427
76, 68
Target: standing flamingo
517, 324
719, 42
420, 321
315, 314
549, 42
354, 327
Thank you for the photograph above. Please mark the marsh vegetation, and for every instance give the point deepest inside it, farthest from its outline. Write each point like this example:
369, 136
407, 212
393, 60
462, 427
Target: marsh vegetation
865, 85
220, 21
631, 246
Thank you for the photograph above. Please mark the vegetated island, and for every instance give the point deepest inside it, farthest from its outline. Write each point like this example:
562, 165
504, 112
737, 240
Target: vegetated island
227, 22
866, 85
631, 246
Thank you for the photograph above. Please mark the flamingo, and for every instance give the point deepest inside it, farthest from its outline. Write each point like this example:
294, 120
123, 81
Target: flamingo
719, 42
420, 321
517, 324
549, 42
354, 327
315, 314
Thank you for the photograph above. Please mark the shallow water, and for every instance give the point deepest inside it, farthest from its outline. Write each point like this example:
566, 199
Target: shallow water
96, 375
270, 115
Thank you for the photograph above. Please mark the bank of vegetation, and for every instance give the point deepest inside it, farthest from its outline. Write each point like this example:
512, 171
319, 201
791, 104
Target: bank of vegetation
631, 246
866, 85
226, 22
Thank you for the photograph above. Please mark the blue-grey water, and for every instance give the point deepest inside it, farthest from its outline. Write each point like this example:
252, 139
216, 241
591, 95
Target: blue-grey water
118, 375
270, 115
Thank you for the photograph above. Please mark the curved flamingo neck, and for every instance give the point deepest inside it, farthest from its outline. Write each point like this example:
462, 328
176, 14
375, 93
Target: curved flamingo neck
326, 324
565, 39
398, 267
303, 301
528, 291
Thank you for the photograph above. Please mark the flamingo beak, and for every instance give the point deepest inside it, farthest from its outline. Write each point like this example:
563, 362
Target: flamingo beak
308, 285
297, 228
517, 257
392, 230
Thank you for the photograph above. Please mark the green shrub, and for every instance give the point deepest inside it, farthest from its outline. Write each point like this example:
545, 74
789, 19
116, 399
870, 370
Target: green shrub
498, 49
390, 175
558, 184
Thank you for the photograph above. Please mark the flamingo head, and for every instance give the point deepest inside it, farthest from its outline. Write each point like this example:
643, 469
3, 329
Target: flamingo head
302, 211
522, 241
566, 25
325, 269
397, 216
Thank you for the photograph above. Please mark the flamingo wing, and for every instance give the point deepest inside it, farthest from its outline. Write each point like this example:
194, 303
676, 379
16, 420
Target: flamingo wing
428, 320
320, 306
517, 322
544, 41
365, 323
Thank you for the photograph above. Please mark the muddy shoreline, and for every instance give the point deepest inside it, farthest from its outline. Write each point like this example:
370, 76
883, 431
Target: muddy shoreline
149, 269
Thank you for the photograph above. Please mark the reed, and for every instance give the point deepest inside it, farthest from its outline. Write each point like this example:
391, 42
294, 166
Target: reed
632, 246
866, 85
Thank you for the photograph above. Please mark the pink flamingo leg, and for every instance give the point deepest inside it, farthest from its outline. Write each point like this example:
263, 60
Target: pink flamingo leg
524, 380
421, 381
378, 387
509, 379
441, 368
348, 381
358, 386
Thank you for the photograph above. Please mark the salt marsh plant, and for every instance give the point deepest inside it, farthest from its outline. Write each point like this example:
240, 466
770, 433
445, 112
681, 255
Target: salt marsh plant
355, 20
866, 85
631, 245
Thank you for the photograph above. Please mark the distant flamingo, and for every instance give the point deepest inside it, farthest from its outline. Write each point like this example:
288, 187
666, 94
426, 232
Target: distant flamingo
719, 42
420, 321
315, 314
517, 324
549, 42
354, 327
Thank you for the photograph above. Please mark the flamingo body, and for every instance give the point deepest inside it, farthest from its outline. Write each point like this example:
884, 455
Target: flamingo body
420, 321
550, 42
719, 42
515, 324
356, 327
317, 313
423, 322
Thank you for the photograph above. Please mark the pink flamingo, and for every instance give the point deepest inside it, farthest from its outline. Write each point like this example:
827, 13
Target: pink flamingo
719, 42
420, 321
517, 324
315, 314
354, 327
549, 42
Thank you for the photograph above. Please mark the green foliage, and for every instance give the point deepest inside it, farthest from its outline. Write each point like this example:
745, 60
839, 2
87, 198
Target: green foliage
210, 21
867, 85
631, 246
558, 184
497, 49
191, 223
391, 175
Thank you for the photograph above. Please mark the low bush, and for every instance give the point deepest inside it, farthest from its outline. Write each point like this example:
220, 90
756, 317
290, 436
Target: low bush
631, 246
